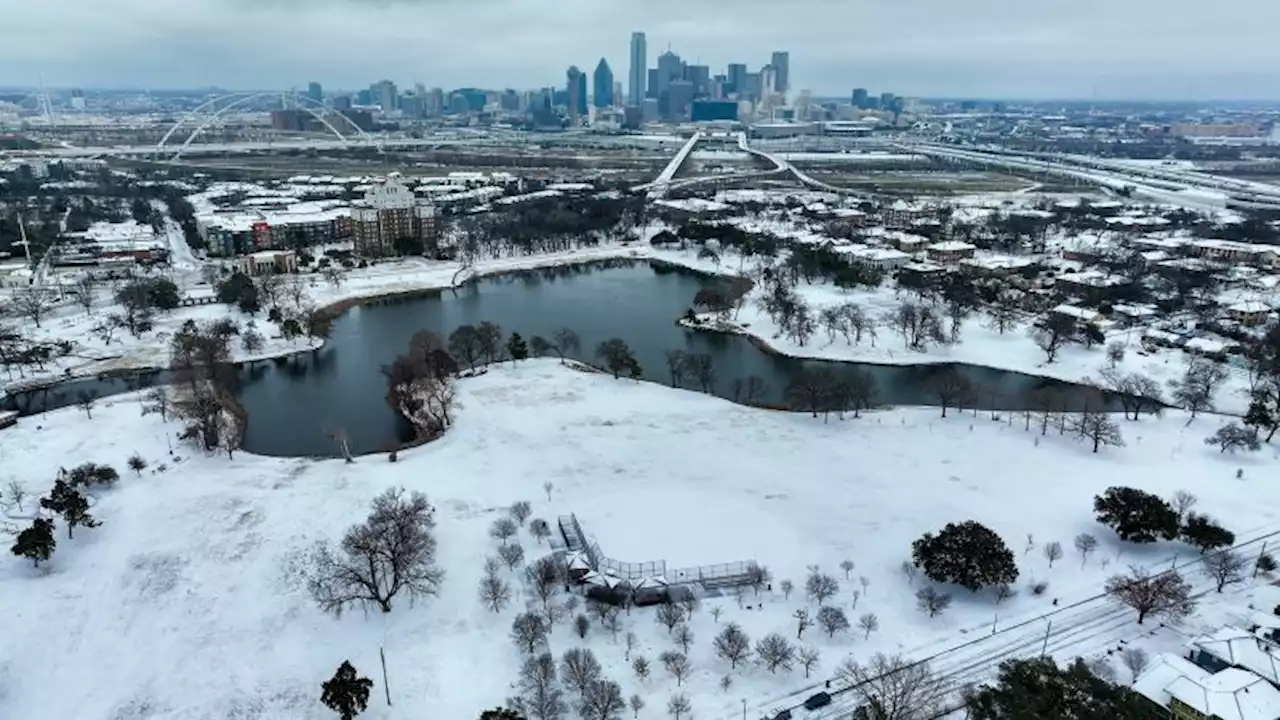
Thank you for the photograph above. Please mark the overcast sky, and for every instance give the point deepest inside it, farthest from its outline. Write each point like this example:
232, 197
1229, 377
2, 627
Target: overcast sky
1087, 49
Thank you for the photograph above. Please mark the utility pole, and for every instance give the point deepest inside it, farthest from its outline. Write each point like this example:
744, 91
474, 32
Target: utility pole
385, 687
1044, 649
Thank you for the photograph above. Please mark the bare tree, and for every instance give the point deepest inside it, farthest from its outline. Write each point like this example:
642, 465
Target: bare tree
540, 696
716, 611
803, 622
156, 400
951, 388
931, 601
544, 577
1054, 332
17, 492
631, 644
1164, 595
32, 302
821, 586
641, 667
512, 555
1100, 428
669, 615
732, 644
1085, 545
808, 658
775, 651
677, 363
758, 576
1183, 501
909, 569
1052, 552
683, 637
85, 400
677, 664
504, 528
566, 342
393, 551
528, 631
539, 529
786, 586
847, 567
1194, 391
869, 623
679, 706
579, 668
520, 512
1135, 658
547, 487
832, 620
1225, 567
495, 593
895, 687
637, 704
602, 700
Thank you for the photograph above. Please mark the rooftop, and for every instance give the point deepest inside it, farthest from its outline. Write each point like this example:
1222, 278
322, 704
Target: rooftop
1232, 694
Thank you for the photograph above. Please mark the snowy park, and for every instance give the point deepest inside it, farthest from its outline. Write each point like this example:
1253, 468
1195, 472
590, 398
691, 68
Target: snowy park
202, 551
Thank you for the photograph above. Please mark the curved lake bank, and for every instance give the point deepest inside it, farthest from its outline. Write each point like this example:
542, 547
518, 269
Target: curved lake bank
292, 400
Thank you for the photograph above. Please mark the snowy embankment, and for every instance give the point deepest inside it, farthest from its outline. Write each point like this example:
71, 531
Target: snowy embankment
191, 586
979, 344
92, 356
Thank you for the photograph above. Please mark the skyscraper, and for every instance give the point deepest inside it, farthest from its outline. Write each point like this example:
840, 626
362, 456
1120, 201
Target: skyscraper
737, 78
781, 63
573, 90
384, 93
860, 96
670, 67
602, 85
315, 92
638, 69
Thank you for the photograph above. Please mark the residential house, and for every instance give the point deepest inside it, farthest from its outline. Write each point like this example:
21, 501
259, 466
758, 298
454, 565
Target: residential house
950, 251
1190, 692
872, 257
1229, 251
1250, 312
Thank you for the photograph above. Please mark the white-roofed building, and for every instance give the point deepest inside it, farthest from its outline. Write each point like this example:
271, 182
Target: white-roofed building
1191, 692
872, 257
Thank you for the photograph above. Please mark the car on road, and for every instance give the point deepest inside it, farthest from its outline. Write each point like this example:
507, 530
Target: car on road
817, 700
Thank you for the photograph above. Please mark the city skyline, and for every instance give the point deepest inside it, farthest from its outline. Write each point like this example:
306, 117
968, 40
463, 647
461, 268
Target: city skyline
1144, 50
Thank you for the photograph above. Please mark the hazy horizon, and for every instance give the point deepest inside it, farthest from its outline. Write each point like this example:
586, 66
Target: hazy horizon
1092, 50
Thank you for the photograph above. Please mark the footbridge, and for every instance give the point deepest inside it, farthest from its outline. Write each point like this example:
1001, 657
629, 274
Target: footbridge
659, 186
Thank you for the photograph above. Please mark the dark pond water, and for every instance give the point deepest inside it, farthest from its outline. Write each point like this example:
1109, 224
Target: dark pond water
291, 402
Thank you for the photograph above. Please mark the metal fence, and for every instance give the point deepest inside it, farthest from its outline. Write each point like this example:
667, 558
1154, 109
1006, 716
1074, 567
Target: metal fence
709, 576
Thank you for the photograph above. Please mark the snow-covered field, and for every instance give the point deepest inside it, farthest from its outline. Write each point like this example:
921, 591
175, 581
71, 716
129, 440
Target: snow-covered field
186, 602
979, 343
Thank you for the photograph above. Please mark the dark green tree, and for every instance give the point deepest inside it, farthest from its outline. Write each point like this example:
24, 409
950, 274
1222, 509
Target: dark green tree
1136, 515
346, 693
968, 554
501, 714
517, 348
1262, 416
66, 501
36, 542
540, 346
91, 474
1037, 689
1205, 533
239, 290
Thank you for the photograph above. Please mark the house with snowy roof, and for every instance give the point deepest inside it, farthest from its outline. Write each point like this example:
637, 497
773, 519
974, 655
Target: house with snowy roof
1230, 674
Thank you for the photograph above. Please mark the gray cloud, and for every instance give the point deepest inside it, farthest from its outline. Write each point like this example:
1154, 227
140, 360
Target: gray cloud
1172, 49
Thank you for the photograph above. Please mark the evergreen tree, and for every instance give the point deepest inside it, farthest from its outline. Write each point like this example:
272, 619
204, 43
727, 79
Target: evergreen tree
517, 348
346, 693
66, 501
1205, 533
1136, 516
1037, 688
36, 542
501, 714
967, 554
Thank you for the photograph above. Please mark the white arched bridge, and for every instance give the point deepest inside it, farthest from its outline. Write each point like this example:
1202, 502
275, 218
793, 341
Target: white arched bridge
212, 111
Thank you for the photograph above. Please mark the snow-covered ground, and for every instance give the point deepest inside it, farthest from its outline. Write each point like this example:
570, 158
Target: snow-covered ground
979, 343
186, 603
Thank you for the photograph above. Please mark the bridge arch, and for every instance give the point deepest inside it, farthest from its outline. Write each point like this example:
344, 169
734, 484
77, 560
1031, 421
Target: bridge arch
209, 112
